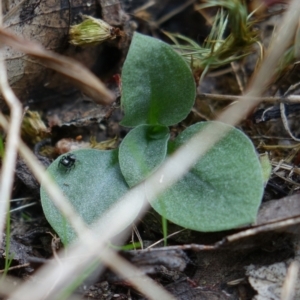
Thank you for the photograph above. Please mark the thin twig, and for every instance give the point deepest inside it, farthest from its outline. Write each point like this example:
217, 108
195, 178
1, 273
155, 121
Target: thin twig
21, 199
15, 267
285, 166
216, 97
136, 232
22, 207
161, 240
239, 76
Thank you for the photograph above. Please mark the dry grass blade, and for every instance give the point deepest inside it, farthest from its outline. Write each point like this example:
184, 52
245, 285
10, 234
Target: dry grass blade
12, 141
7, 172
9, 284
75, 71
290, 282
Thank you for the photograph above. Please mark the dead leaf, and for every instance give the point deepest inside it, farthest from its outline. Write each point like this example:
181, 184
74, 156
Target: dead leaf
47, 24
269, 281
280, 209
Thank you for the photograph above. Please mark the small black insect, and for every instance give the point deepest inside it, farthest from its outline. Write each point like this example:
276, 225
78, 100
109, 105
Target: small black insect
68, 161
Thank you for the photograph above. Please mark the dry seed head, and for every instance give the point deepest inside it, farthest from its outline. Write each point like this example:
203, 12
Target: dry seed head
91, 31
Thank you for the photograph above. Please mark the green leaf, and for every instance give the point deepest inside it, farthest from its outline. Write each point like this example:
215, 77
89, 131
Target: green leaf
143, 149
266, 166
157, 84
222, 191
93, 184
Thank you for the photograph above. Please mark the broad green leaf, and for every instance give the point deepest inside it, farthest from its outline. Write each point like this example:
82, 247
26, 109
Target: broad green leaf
157, 84
143, 149
222, 191
93, 184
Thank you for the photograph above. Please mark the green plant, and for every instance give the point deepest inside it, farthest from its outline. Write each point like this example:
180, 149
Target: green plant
93, 185
222, 191
218, 49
